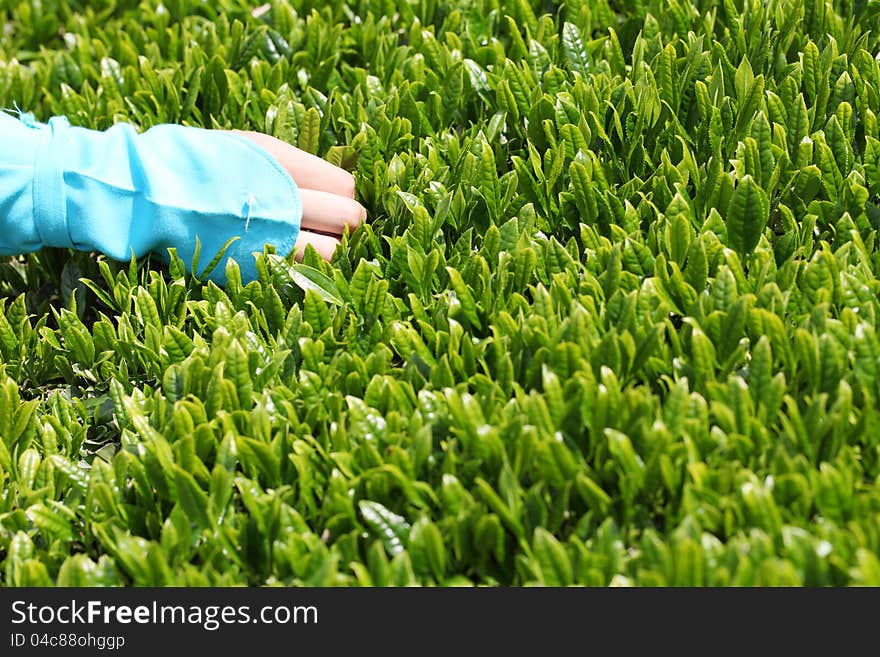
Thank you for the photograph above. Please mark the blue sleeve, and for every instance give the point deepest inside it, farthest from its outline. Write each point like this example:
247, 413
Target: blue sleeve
118, 190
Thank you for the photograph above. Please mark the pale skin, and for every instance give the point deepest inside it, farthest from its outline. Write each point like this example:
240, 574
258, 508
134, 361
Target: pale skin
327, 194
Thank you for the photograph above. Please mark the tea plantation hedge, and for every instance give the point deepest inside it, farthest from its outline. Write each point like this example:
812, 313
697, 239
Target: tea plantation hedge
613, 320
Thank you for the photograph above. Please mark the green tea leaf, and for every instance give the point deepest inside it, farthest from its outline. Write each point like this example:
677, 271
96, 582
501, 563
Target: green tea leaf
747, 216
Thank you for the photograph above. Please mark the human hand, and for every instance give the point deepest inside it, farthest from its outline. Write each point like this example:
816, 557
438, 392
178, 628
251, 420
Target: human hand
327, 194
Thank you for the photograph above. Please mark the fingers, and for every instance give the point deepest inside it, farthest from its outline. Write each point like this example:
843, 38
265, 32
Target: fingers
324, 244
327, 194
329, 213
308, 171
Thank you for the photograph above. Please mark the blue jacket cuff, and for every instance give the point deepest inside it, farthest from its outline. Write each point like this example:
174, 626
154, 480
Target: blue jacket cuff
119, 190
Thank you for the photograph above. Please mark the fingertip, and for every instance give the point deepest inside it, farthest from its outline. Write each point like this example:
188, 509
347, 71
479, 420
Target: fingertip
325, 245
359, 215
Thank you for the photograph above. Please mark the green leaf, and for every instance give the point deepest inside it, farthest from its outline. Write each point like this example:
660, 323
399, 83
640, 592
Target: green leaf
555, 566
212, 265
426, 548
310, 131
53, 520
497, 505
238, 371
490, 187
575, 52
391, 528
747, 216
798, 122
813, 77
191, 497
743, 79
309, 278
465, 298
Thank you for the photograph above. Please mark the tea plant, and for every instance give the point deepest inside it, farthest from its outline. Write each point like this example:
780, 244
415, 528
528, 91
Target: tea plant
613, 320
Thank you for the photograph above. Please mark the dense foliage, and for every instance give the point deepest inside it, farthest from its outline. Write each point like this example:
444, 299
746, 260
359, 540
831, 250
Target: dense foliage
613, 320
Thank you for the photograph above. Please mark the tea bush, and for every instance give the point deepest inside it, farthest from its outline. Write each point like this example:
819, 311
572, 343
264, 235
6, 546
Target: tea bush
613, 320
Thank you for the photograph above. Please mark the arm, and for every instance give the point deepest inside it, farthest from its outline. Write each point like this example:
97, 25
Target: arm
119, 190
